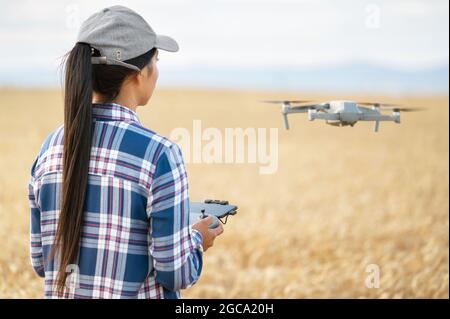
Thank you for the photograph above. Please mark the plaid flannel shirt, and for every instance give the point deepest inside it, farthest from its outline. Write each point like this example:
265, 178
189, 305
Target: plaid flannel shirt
137, 241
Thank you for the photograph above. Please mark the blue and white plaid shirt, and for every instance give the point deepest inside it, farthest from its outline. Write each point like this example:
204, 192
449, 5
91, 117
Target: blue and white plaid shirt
136, 240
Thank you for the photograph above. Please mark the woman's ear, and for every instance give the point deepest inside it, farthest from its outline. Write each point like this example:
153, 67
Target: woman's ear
148, 69
139, 77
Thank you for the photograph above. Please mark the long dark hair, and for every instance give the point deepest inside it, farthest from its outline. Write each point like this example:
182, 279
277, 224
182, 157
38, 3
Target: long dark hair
81, 79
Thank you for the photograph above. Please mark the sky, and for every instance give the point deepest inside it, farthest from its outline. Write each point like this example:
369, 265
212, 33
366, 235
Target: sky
400, 35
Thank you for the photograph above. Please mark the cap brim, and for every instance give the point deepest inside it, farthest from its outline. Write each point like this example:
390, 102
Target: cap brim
166, 43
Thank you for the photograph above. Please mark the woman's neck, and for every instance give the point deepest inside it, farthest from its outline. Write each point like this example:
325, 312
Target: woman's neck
121, 100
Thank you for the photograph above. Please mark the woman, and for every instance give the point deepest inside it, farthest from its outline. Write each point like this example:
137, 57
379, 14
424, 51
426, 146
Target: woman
109, 198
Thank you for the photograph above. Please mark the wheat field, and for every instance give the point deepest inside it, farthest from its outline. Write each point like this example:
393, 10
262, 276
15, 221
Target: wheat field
341, 200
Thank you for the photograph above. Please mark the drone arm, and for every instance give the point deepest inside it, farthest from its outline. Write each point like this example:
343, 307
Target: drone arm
286, 122
395, 117
297, 110
288, 109
377, 126
377, 117
380, 117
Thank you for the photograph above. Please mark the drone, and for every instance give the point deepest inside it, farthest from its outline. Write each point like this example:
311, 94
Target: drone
342, 112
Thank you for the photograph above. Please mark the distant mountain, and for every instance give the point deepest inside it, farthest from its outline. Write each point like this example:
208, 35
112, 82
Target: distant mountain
355, 77
350, 77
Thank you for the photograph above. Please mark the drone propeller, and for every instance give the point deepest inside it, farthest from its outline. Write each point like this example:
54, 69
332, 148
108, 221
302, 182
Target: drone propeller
394, 107
407, 109
285, 101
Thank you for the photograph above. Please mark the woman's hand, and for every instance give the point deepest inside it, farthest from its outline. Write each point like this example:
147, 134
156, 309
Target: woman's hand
208, 234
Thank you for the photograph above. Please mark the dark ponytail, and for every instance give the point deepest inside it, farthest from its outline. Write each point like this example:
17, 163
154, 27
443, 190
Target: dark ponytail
81, 79
77, 147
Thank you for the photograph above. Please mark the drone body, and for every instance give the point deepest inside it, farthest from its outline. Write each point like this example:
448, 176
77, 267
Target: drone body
341, 112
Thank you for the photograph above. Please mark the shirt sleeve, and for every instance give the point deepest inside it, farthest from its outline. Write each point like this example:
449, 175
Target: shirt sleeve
36, 255
176, 247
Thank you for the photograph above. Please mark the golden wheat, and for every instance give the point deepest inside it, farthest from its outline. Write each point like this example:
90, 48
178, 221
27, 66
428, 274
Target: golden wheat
342, 198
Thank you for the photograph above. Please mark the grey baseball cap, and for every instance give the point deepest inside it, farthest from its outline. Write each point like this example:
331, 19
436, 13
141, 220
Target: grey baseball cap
120, 34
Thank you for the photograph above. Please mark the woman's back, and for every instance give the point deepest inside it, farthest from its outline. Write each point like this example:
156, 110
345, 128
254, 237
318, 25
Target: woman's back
136, 241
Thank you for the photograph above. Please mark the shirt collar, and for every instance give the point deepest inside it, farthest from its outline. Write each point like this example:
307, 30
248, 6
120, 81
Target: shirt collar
113, 112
